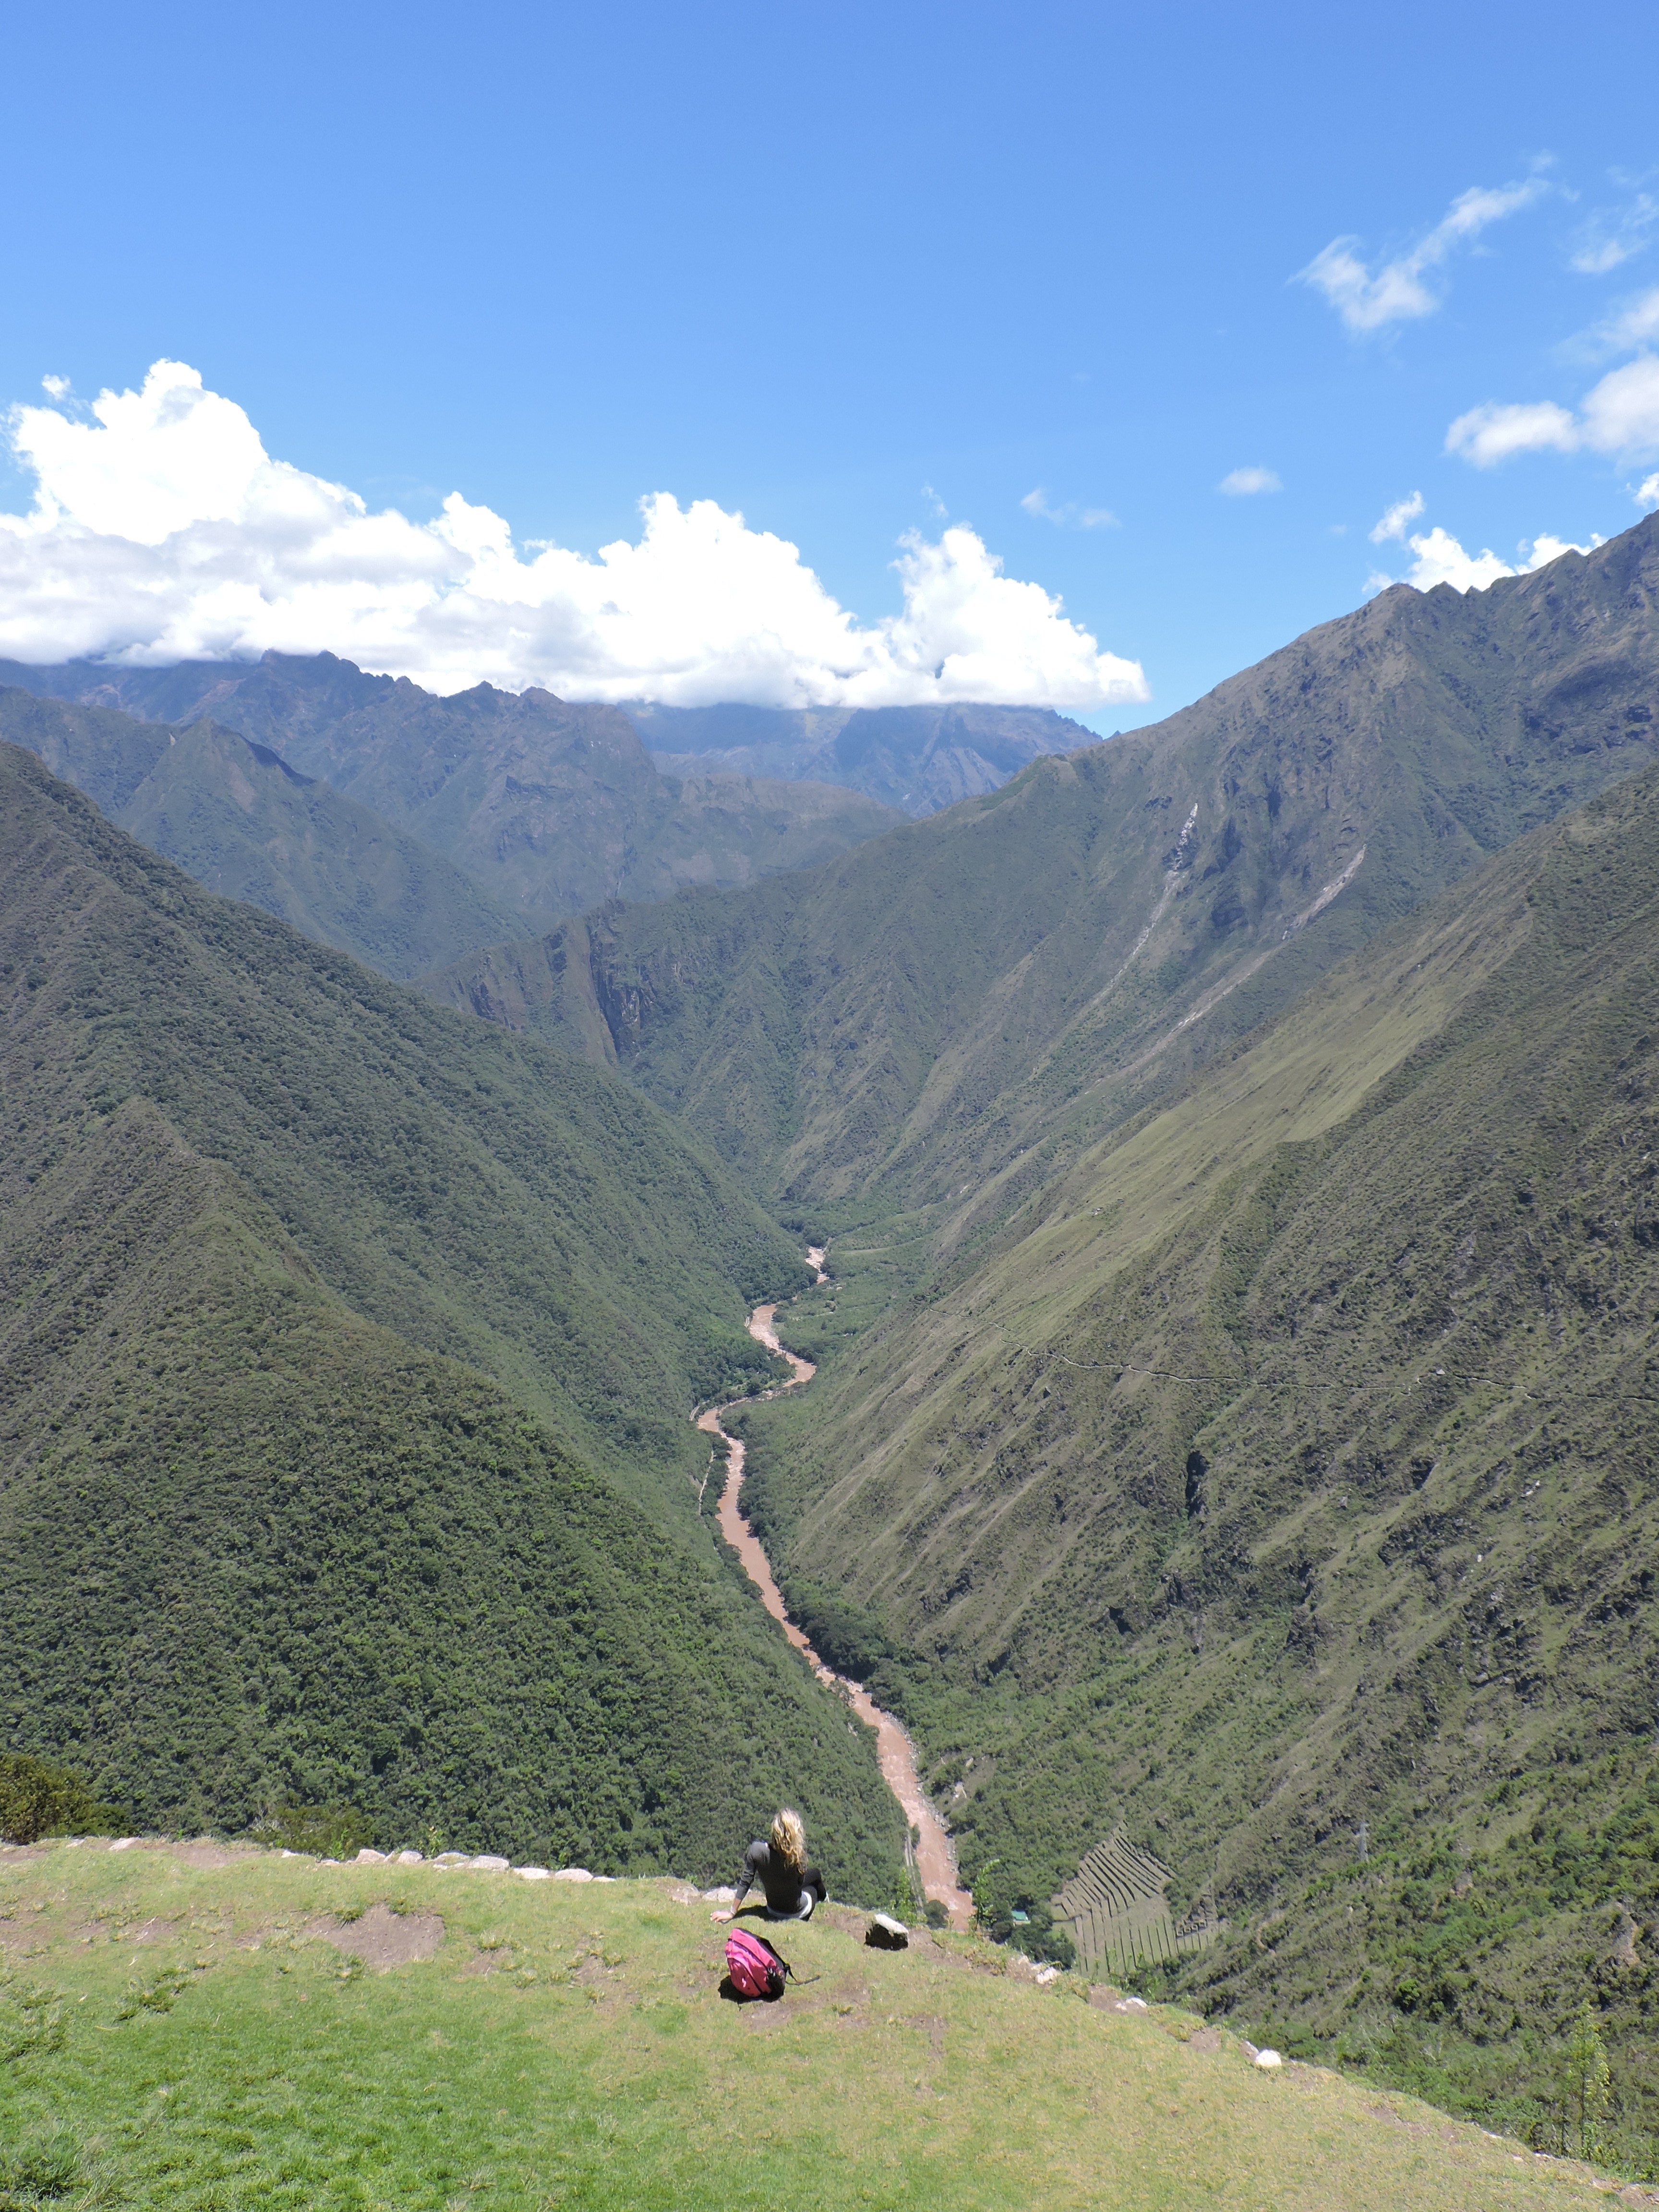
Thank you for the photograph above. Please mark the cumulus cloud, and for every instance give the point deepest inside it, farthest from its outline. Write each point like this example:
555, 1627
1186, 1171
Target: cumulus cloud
1620, 416
162, 531
1439, 558
1240, 483
1646, 494
1368, 300
1396, 518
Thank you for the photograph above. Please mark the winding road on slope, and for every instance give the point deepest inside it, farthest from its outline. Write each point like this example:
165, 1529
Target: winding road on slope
936, 1862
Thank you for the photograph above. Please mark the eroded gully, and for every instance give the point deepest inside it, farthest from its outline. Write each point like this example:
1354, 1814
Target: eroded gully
936, 1862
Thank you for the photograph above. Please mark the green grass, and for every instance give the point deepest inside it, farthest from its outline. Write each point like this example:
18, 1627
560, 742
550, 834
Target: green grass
197, 2043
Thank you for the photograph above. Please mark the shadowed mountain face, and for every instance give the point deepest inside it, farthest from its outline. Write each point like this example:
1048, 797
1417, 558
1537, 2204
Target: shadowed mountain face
265, 1536
479, 1195
941, 1015
232, 814
919, 758
551, 807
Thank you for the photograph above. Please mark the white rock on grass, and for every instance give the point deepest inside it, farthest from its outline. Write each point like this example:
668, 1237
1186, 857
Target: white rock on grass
533, 1873
573, 1873
1267, 2060
123, 1843
1130, 2005
726, 1896
409, 1858
1047, 1974
486, 1862
367, 1857
451, 1859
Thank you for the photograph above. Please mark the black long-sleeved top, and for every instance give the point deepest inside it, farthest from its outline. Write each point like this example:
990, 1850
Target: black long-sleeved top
784, 1888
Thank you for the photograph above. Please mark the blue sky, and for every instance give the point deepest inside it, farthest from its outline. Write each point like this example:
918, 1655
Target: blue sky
857, 271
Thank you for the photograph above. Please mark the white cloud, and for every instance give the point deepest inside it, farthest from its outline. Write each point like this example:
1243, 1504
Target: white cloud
1490, 434
1613, 236
1037, 503
1396, 292
1240, 483
1646, 494
1620, 416
162, 531
1438, 558
1396, 518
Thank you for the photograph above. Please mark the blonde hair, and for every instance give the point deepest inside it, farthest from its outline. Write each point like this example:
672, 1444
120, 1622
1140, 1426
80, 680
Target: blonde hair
789, 1840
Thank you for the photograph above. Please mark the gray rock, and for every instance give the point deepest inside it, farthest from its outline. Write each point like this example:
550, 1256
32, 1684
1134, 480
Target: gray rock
367, 1857
409, 1858
486, 1862
886, 1933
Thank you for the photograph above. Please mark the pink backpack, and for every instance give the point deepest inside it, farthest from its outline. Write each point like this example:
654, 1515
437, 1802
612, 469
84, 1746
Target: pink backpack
753, 1966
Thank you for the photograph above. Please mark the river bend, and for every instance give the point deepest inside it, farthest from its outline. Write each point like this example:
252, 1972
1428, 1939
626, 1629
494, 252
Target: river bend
936, 1859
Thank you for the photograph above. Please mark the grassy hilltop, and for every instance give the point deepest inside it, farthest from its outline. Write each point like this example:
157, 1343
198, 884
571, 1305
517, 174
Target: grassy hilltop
191, 2028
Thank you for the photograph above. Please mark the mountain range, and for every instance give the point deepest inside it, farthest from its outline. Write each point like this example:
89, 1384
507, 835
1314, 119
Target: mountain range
918, 758
1235, 1144
1235, 1412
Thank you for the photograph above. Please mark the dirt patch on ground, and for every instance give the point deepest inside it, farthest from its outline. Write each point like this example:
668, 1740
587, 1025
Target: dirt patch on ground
146, 1931
1202, 2038
383, 1938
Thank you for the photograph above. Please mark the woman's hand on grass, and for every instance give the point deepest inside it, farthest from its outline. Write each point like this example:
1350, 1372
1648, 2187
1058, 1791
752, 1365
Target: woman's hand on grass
722, 1916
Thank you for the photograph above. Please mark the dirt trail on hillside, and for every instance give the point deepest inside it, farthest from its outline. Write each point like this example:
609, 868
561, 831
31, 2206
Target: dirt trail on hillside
936, 1861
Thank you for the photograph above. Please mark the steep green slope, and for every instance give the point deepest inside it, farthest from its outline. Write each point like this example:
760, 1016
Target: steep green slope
257, 1550
1284, 1479
234, 815
992, 986
551, 806
480, 1195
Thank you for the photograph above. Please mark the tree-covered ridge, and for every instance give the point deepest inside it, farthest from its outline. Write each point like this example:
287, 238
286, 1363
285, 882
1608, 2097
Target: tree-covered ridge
548, 806
232, 814
480, 1195
258, 1550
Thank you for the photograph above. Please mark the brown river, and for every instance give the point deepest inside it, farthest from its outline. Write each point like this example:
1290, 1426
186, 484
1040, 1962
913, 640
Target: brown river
936, 1861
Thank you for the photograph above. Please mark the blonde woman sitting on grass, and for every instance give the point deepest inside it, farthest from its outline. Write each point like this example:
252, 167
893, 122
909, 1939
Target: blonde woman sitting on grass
791, 1886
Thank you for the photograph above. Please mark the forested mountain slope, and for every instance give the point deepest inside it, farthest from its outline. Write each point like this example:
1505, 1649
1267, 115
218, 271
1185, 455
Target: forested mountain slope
231, 814
480, 1195
551, 807
258, 1544
1284, 1479
984, 989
